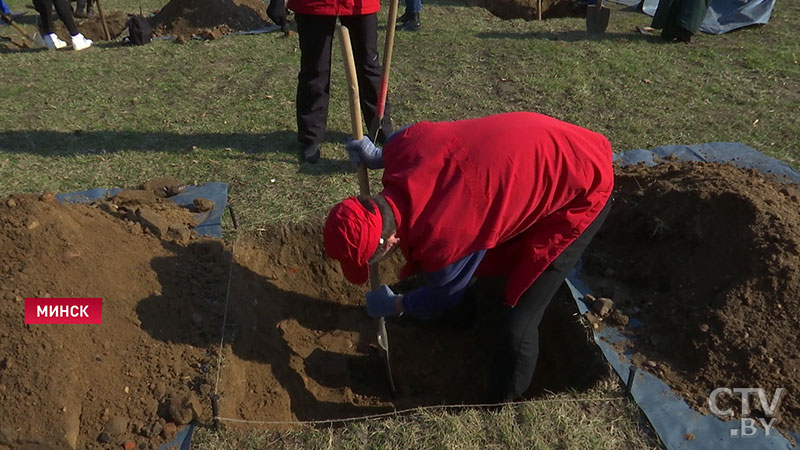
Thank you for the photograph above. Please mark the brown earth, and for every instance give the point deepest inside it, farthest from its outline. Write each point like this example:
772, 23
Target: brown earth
61, 386
298, 344
92, 27
183, 19
304, 349
529, 9
706, 256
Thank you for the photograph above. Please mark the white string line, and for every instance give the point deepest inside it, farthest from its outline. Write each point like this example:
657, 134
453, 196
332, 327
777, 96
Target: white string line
225, 315
417, 409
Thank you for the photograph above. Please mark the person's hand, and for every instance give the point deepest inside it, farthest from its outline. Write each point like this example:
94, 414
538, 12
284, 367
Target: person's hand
364, 150
381, 302
276, 11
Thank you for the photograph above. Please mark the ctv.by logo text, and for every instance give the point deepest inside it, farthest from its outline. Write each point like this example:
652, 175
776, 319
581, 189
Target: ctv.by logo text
747, 425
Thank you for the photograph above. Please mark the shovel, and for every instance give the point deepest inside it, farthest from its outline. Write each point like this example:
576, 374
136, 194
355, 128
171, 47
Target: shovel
11, 22
363, 181
597, 17
103, 20
377, 122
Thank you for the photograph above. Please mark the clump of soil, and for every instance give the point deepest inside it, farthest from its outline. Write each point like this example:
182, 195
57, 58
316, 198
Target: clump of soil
96, 386
706, 256
183, 19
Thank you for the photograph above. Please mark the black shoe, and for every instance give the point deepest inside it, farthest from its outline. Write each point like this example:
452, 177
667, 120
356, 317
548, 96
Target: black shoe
310, 153
684, 35
412, 24
403, 18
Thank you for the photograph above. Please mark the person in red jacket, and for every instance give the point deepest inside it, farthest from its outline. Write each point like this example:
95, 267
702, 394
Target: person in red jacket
517, 195
316, 21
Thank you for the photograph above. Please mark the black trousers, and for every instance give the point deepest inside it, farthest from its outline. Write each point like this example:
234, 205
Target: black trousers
64, 10
314, 80
518, 341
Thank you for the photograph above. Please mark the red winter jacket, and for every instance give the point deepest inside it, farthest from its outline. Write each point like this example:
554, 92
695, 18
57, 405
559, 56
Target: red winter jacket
522, 185
335, 7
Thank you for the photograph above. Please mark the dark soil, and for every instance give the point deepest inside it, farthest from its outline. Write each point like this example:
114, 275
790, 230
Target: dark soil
183, 19
529, 9
706, 256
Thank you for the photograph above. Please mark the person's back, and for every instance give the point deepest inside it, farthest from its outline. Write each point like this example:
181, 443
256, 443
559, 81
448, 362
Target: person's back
470, 185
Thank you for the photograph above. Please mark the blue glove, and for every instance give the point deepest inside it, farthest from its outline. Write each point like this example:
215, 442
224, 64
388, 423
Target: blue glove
380, 303
364, 150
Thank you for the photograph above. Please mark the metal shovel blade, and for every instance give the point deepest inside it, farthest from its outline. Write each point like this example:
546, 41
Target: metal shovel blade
383, 343
597, 17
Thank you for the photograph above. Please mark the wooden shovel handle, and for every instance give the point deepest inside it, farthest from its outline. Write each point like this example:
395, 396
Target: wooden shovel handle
358, 131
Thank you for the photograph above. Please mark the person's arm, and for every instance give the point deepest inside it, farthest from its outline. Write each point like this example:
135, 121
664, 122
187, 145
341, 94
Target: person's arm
443, 289
363, 150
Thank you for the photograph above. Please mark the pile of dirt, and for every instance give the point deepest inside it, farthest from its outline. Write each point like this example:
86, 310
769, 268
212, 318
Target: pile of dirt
137, 376
706, 256
184, 19
529, 9
92, 27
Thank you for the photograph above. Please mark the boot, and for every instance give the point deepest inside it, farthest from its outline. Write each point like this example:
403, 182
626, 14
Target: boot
412, 24
309, 153
684, 35
403, 18
80, 10
79, 42
52, 42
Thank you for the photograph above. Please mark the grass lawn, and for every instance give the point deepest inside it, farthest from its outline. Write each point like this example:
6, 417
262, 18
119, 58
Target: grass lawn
223, 110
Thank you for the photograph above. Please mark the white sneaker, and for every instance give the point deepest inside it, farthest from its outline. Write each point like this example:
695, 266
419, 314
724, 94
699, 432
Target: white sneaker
79, 42
52, 42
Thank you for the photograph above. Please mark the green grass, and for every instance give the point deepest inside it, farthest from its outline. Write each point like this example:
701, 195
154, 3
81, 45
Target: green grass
559, 421
117, 115
223, 110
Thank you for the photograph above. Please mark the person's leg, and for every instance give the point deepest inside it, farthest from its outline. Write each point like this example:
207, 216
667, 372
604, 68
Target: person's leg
406, 14
45, 8
80, 9
364, 36
313, 82
65, 14
412, 21
518, 345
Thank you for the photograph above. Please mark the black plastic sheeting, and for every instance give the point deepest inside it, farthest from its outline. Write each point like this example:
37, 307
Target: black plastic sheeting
209, 223
723, 15
669, 414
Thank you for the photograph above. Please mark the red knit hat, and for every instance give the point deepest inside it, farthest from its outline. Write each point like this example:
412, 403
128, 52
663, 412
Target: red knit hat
351, 236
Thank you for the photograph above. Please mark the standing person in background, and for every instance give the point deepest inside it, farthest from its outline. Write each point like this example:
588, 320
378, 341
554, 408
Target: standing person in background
84, 9
680, 19
316, 22
409, 21
51, 41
